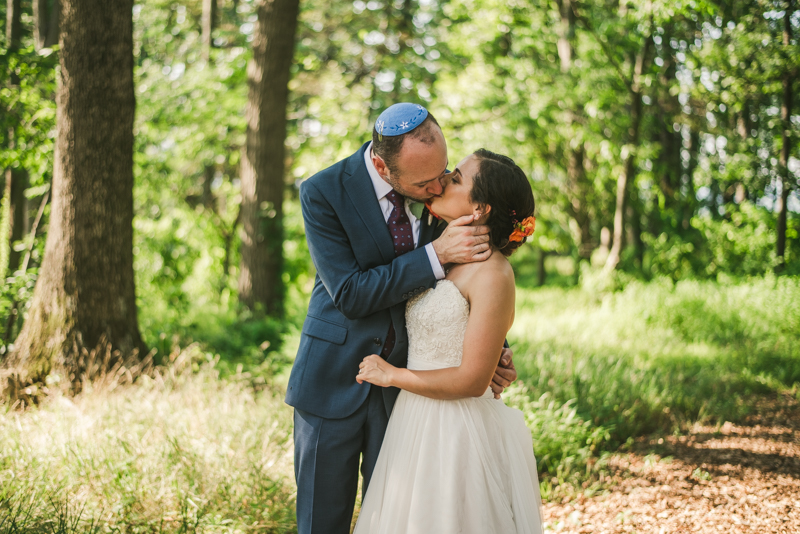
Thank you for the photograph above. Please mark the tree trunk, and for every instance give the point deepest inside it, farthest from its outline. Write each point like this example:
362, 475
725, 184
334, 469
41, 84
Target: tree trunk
578, 186
209, 22
260, 284
84, 298
786, 116
16, 183
46, 14
13, 24
541, 270
208, 178
668, 163
16, 178
626, 177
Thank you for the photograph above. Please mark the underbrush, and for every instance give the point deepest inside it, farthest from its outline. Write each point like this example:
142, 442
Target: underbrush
202, 446
179, 451
655, 357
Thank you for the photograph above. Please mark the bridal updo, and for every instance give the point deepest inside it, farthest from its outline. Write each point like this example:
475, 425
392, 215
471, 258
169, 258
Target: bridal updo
501, 184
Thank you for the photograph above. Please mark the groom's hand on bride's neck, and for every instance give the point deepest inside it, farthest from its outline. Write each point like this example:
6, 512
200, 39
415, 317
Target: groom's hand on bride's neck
461, 243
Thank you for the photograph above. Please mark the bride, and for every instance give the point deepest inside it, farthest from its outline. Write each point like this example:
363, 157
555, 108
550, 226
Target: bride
454, 459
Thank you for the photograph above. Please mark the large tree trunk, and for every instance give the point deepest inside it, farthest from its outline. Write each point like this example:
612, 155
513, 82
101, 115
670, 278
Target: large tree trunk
46, 15
84, 297
786, 116
260, 285
626, 176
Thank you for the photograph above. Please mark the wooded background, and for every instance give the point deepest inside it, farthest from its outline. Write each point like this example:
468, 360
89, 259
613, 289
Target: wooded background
150, 234
153, 150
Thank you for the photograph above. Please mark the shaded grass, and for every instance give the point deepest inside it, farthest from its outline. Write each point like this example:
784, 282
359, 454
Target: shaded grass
657, 356
181, 452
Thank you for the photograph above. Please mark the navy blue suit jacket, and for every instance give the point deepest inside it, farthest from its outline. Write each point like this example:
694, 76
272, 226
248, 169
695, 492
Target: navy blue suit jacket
360, 287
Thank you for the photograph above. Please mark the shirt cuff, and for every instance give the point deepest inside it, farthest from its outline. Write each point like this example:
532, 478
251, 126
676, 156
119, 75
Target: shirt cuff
438, 270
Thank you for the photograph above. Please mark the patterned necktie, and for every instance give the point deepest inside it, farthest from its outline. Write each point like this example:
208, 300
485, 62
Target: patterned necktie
403, 239
399, 224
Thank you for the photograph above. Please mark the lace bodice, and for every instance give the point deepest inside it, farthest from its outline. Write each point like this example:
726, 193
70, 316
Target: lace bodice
436, 321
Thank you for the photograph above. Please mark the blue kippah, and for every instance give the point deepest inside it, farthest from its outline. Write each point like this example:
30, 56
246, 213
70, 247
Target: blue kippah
399, 119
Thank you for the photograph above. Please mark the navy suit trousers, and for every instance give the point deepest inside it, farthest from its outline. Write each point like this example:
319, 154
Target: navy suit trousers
326, 463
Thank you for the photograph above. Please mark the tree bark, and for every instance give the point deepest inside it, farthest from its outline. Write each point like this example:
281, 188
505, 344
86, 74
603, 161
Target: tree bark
46, 14
16, 178
260, 285
577, 184
626, 176
13, 24
786, 116
84, 298
16, 183
668, 163
209, 22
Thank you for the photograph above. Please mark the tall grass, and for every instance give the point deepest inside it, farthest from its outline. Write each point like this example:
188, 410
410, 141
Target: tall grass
184, 450
180, 452
656, 356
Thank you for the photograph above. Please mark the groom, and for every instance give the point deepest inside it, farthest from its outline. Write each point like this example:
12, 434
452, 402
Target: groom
373, 250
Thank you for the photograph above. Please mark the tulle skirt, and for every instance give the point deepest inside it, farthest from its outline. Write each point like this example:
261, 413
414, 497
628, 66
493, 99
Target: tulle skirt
458, 466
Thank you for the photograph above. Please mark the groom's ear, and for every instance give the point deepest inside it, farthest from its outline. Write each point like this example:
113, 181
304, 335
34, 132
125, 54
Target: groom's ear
380, 165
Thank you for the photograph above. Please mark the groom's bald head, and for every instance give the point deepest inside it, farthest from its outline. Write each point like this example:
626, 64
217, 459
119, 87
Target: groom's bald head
414, 162
389, 147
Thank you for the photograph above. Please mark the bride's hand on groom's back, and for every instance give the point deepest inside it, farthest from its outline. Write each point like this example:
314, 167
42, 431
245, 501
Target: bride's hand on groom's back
461, 243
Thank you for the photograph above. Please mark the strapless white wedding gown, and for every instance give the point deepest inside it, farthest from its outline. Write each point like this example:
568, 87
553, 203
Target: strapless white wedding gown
450, 466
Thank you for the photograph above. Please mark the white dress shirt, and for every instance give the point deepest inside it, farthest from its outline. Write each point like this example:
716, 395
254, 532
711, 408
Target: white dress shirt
381, 190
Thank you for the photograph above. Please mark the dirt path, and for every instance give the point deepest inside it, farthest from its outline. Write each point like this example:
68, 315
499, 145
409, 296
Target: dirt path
734, 479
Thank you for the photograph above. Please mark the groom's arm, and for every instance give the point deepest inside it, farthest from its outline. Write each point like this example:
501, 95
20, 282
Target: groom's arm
357, 293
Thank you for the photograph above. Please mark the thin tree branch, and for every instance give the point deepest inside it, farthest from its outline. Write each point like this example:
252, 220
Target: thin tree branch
588, 27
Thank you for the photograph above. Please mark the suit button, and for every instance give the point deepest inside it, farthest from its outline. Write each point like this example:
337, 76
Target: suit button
377, 341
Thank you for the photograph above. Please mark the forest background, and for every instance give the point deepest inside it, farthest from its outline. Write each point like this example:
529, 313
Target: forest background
660, 288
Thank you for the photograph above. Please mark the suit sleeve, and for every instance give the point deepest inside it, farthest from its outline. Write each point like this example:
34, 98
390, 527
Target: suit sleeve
357, 293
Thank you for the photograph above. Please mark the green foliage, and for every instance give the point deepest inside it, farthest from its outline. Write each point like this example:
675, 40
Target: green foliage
741, 244
27, 124
657, 356
566, 446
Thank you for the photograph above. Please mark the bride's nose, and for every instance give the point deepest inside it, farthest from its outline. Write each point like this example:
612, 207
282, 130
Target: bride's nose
444, 181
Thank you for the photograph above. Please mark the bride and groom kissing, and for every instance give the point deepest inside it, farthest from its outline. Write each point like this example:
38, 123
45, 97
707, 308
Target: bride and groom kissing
397, 371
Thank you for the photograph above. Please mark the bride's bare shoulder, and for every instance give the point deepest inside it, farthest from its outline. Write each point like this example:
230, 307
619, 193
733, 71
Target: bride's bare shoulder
494, 274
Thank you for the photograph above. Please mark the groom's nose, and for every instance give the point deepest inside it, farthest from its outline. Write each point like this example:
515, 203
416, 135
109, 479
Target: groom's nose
435, 187
443, 182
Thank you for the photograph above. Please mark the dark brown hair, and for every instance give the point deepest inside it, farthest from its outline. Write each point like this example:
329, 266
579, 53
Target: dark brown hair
501, 184
388, 147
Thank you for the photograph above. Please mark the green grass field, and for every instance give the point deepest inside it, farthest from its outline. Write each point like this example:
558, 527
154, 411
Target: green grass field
188, 451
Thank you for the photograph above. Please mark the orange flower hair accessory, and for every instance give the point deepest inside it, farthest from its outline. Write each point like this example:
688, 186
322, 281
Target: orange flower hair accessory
523, 229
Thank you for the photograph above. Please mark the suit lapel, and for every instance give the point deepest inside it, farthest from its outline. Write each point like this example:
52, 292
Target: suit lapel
358, 186
429, 232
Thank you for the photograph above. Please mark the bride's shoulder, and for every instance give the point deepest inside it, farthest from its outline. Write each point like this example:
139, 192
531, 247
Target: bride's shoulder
494, 274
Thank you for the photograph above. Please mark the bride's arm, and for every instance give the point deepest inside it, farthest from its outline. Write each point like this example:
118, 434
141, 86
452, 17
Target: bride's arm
490, 318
